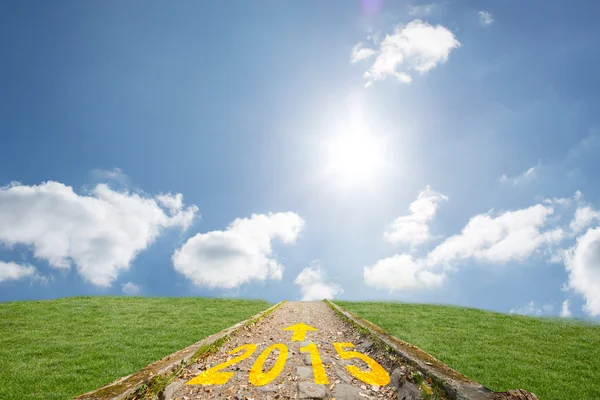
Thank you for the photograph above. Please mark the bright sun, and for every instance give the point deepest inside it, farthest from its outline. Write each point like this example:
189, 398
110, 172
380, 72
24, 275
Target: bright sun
354, 149
354, 157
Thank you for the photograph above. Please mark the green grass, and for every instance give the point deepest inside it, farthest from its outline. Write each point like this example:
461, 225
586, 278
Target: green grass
555, 359
58, 349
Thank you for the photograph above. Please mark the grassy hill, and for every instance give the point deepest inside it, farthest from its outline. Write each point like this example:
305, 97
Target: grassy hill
553, 358
61, 348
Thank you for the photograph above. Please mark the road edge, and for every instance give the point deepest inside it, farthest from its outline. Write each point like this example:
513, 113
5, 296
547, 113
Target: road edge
126, 386
455, 384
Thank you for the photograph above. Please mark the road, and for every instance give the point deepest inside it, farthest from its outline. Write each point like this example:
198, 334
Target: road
266, 361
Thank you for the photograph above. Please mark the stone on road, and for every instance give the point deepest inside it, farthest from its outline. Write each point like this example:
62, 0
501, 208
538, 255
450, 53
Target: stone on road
309, 390
409, 391
304, 373
347, 392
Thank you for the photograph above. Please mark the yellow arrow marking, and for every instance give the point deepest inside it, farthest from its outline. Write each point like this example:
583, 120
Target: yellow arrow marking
299, 331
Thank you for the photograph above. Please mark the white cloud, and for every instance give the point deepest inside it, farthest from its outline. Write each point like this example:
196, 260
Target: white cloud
583, 265
402, 272
564, 201
510, 236
565, 311
499, 238
486, 238
522, 178
414, 228
421, 10
313, 286
532, 309
239, 254
172, 202
100, 233
114, 174
417, 46
584, 217
485, 18
10, 271
559, 201
130, 288
360, 53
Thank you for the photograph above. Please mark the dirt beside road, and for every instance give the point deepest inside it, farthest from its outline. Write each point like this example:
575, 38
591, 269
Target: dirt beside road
297, 378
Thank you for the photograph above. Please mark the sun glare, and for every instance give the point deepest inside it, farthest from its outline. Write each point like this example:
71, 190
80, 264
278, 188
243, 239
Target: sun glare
353, 148
354, 157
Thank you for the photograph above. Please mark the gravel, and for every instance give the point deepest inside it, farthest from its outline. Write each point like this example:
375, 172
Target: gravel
296, 380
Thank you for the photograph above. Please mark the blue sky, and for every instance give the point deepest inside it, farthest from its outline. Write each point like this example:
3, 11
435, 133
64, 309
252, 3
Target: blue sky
432, 152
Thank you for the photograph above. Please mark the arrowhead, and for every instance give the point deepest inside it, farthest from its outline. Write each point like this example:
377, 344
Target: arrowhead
300, 327
299, 331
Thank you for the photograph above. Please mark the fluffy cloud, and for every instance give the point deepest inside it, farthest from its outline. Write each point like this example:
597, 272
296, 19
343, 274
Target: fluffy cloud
360, 53
510, 236
583, 265
559, 201
414, 228
416, 46
584, 217
100, 233
313, 286
402, 272
532, 309
485, 18
565, 311
498, 238
10, 271
172, 202
130, 288
522, 178
239, 254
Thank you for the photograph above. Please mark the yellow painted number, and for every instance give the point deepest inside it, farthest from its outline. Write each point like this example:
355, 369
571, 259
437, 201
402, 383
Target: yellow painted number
260, 378
317, 364
377, 376
213, 376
